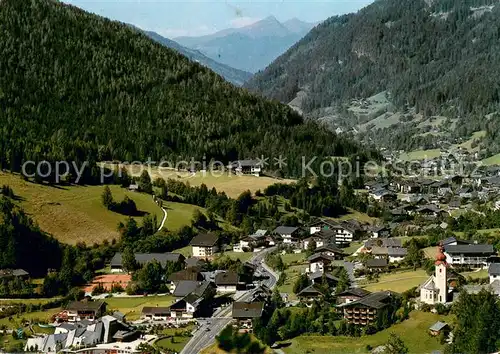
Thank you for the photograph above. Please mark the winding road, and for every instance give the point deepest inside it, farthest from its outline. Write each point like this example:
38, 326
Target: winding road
222, 317
164, 215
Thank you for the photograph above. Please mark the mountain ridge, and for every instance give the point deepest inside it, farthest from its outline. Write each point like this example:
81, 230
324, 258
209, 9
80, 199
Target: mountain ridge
250, 48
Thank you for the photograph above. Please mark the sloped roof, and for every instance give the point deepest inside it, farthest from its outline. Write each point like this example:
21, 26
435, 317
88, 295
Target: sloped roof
374, 300
438, 326
470, 249
285, 230
494, 269
311, 290
375, 263
147, 310
204, 240
356, 292
247, 309
85, 305
227, 278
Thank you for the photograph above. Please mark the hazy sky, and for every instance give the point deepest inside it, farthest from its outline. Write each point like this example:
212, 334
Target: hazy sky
199, 17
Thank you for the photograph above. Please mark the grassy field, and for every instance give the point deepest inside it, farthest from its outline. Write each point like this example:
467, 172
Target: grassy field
38, 316
231, 184
398, 282
420, 155
293, 257
40, 301
492, 160
475, 136
483, 273
75, 213
179, 214
353, 214
413, 331
292, 274
132, 306
353, 247
179, 342
242, 256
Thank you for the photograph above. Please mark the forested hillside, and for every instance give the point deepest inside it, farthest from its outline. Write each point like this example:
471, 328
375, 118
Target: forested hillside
439, 57
75, 86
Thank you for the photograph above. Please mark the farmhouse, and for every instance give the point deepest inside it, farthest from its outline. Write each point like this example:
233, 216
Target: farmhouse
245, 312
439, 327
311, 293
319, 262
204, 245
155, 313
472, 254
81, 310
143, 258
319, 277
227, 282
380, 231
247, 167
289, 234
351, 294
13, 273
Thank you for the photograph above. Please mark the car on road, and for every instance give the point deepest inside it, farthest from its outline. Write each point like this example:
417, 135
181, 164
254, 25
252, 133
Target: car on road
207, 329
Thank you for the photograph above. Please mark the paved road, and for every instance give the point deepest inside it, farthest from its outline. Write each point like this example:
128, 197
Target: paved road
210, 328
164, 216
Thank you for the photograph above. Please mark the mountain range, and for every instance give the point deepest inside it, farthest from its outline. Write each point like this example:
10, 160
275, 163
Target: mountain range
394, 65
79, 87
235, 76
250, 48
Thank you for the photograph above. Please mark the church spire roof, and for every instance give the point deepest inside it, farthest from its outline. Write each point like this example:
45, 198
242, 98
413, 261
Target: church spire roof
440, 256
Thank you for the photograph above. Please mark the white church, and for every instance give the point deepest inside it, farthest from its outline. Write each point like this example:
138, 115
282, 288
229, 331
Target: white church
435, 289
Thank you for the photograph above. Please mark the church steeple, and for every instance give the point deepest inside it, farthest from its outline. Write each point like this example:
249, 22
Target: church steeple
441, 280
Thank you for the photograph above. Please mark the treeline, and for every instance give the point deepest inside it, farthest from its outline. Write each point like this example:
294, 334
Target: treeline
77, 87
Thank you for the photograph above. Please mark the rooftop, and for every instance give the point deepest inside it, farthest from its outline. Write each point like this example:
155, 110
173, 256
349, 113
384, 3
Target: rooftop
143, 258
470, 249
247, 309
285, 230
227, 278
204, 240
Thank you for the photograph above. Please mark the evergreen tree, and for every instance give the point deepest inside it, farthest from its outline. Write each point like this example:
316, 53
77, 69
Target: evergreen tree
107, 198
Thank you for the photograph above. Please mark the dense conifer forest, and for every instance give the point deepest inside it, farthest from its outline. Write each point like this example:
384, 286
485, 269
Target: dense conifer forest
439, 57
75, 86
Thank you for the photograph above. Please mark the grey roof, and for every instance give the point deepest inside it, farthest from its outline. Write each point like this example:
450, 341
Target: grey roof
5, 273
143, 258
356, 292
374, 300
328, 248
191, 273
317, 256
227, 278
375, 263
285, 230
494, 269
194, 262
310, 290
319, 275
396, 251
259, 233
185, 287
205, 240
147, 310
85, 305
470, 249
438, 326
247, 309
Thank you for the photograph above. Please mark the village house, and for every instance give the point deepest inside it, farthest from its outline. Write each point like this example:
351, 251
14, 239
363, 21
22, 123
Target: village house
189, 274
439, 327
380, 231
475, 255
204, 245
320, 225
143, 258
155, 313
256, 240
227, 282
195, 301
246, 167
310, 294
376, 264
289, 234
319, 262
383, 195
366, 310
494, 272
330, 250
351, 295
319, 277
81, 310
244, 313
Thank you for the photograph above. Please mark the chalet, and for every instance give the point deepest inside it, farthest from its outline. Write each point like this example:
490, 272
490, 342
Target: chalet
194, 262
383, 195
204, 245
227, 282
311, 293
155, 313
143, 258
258, 239
317, 240
453, 241
351, 294
330, 250
320, 225
133, 187
262, 293
439, 327
472, 254
494, 272
408, 187
319, 277
376, 264
192, 274
289, 234
430, 210
366, 310
393, 254
194, 302
244, 313
380, 231
247, 167
375, 185
77, 311
13, 274
319, 262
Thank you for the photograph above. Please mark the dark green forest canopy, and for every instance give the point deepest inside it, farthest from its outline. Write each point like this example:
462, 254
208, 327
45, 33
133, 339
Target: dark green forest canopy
438, 56
76, 86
